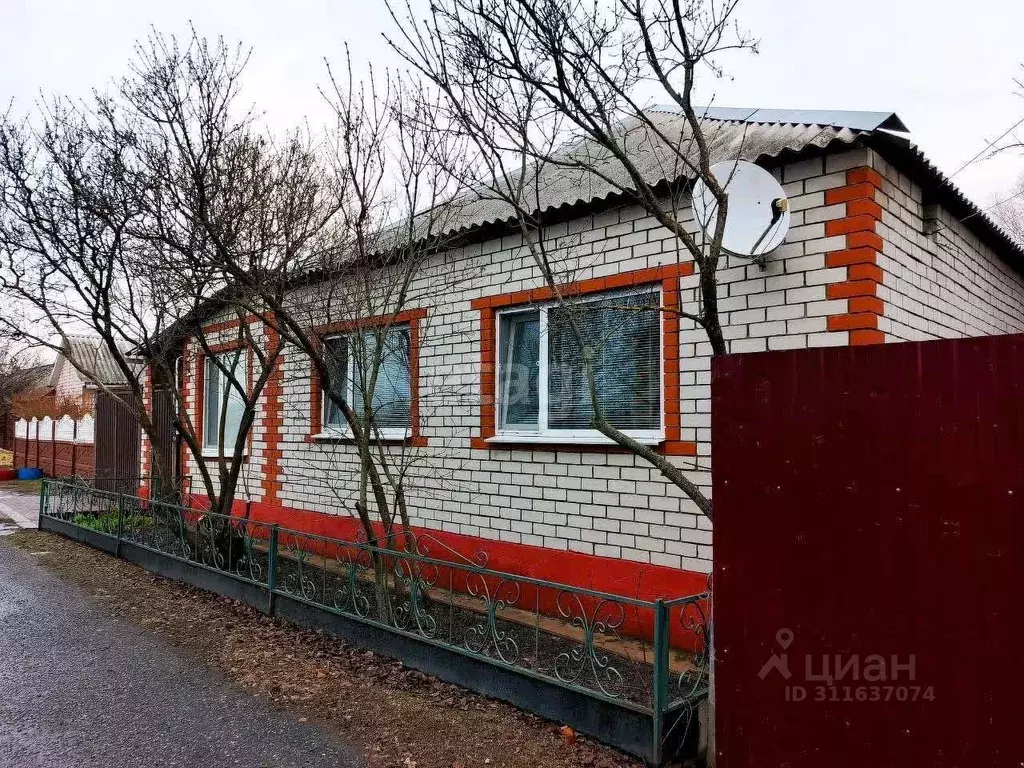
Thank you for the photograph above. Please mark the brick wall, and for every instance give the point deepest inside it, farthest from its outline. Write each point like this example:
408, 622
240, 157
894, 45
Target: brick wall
940, 281
594, 502
69, 382
254, 482
855, 269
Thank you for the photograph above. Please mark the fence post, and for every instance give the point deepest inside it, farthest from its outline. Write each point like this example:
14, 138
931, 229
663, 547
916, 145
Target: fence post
660, 683
42, 501
120, 523
272, 572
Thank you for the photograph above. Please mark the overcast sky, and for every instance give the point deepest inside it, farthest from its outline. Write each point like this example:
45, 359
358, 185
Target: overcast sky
945, 67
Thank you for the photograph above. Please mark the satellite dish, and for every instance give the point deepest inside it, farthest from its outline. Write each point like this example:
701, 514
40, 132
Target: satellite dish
758, 214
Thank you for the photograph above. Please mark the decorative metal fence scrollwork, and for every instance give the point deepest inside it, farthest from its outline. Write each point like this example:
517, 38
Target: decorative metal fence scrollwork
651, 656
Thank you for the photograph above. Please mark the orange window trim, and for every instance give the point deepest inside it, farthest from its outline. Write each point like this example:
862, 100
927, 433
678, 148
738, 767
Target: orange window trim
410, 317
667, 275
228, 325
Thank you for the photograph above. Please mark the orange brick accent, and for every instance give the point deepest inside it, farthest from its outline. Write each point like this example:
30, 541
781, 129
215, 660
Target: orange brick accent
147, 403
864, 208
864, 240
867, 304
853, 321
864, 175
852, 256
850, 288
849, 224
865, 272
273, 422
865, 337
667, 275
863, 191
860, 256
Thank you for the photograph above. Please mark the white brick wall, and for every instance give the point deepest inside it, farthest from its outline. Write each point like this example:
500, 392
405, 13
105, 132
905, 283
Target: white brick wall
613, 504
251, 476
940, 286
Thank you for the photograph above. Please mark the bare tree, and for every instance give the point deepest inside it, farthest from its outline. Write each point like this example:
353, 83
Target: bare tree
67, 266
226, 207
552, 90
553, 93
18, 373
117, 217
1008, 211
344, 306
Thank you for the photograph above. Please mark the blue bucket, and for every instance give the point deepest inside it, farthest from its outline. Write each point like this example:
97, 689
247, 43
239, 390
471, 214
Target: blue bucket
29, 473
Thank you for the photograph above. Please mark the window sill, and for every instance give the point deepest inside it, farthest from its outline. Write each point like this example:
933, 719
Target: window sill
570, 439
579, 444
214, 456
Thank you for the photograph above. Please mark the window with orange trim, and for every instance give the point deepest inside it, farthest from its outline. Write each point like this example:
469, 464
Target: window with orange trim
223, 401
543, 391
376, 366
350, 350
533, 376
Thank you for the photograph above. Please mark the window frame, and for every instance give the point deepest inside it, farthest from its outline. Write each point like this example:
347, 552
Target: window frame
212, 451
343, 432
543, 434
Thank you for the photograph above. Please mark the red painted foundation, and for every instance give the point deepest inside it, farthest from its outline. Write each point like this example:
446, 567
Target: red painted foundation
640, 581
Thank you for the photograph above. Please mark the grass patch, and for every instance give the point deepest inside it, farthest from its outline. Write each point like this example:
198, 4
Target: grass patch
29, 487
107, 522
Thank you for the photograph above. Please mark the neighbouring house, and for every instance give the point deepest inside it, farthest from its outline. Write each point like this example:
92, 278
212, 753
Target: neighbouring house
882, 248
31, 383
80, 429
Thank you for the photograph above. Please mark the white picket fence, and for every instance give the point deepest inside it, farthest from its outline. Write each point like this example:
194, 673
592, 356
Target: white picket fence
65, 429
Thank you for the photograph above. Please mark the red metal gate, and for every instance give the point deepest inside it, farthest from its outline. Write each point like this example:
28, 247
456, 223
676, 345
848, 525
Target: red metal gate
869, 555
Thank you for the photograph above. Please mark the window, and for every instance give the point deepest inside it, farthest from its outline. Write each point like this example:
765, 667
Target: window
352, 358
222, 395
542, 384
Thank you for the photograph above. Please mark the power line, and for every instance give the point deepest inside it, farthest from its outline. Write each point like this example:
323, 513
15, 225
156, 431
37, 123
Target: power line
989, 146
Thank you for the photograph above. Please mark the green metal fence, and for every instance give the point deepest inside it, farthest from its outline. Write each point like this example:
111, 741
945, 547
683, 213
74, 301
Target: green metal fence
649, 657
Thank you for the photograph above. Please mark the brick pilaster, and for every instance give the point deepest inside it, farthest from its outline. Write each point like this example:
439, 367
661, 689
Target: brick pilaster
860, 257
273, 423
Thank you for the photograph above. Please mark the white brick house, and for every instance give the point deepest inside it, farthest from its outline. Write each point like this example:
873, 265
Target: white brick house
881, 249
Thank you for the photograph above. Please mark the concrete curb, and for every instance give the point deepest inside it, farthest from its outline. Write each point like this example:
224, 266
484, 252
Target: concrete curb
23, 513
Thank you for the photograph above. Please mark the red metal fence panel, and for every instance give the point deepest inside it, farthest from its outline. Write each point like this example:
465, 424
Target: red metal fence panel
869, 528
57, 458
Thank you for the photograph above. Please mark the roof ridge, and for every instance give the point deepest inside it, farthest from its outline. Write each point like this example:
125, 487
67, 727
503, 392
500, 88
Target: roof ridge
857, 120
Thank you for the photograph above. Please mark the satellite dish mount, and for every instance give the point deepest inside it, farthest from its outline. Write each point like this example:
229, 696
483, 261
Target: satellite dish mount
757, 219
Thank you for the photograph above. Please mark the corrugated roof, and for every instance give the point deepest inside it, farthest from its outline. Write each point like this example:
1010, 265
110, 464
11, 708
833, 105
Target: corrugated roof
653, 150
837, 118
753, 134
89, 354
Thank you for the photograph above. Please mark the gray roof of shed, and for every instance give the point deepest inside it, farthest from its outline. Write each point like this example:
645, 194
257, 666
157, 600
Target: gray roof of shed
89, 354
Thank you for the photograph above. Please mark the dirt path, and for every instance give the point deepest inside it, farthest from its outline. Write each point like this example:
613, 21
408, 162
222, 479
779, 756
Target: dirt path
393, 715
